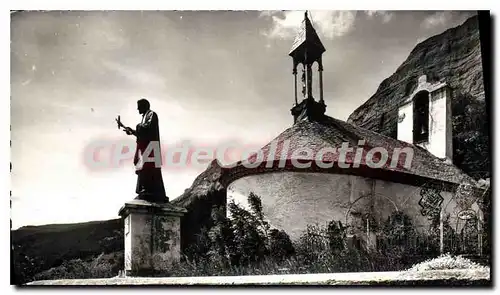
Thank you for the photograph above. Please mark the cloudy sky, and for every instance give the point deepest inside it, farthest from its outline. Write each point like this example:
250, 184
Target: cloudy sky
212, 77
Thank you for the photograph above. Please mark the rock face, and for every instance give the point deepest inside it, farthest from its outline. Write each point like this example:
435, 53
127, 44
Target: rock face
454, 57
205, 193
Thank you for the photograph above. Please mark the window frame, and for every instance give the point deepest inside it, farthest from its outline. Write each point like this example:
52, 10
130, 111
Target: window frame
421, 105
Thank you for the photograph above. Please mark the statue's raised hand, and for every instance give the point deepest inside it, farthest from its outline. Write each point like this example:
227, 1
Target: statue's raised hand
128, 130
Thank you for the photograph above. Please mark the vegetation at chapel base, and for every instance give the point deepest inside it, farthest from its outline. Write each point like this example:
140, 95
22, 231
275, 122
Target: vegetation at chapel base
242, 242
243, 239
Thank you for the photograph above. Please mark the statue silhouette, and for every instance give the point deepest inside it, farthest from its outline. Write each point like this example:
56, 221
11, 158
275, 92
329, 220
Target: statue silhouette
150, 185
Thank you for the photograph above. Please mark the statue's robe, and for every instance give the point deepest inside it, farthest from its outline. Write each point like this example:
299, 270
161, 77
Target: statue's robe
149, 179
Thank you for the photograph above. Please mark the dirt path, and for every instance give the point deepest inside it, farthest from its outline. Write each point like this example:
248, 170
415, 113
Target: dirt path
436, 277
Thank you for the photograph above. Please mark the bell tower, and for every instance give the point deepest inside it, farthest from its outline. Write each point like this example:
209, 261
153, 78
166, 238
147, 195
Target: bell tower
307, 49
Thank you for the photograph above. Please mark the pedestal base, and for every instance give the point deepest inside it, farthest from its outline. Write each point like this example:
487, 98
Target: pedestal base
152, 236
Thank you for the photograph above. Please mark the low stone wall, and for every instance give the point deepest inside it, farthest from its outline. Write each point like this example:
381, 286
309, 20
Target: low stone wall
462, 277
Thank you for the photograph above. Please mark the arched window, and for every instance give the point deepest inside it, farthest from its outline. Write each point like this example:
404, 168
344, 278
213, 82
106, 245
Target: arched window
421, 117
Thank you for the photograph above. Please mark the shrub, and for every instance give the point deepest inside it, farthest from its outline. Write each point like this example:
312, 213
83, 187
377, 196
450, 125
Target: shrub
256, 249
250, 233
242, 239
102, 266
401, 244
280, 245
312, 245
447, 261
221, 238
336, 236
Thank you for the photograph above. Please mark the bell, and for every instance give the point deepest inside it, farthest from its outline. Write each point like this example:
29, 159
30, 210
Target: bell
422, 131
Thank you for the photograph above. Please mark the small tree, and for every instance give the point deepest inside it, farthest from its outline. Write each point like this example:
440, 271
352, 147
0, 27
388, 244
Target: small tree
242, 239
250, 236
201, 246
312, 244
222, 238
245, 236
400, 238
431, 248
280, 246
336, 236
399, 229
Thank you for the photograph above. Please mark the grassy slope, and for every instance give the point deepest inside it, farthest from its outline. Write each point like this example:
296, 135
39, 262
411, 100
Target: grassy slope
38, 248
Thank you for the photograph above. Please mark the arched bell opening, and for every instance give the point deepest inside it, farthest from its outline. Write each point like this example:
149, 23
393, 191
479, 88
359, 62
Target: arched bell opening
421, 117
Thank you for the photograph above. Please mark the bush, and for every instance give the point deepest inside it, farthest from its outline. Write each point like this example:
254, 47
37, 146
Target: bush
250, 231
280, 245
336, 236
240, 240
447, 261
312, 245
244, 243
102, 266
325, 249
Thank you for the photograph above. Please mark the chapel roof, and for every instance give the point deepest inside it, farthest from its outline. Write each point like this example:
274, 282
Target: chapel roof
331, 132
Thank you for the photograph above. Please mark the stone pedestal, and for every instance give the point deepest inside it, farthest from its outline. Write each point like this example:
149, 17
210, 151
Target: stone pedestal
152, 236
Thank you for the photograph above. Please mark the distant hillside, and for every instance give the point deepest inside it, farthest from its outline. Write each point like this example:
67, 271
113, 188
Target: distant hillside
36, 249
454, 57
39, 248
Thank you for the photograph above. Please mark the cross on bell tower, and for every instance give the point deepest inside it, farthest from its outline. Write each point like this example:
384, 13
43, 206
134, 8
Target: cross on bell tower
306, 50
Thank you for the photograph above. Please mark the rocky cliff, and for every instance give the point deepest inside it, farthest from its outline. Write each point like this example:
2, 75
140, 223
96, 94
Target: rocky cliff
455, 57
